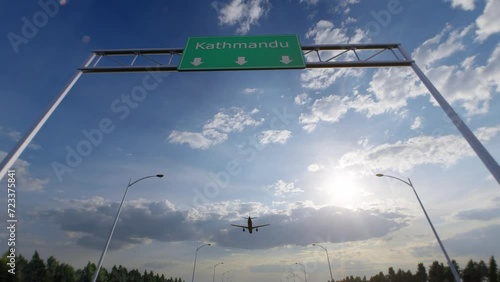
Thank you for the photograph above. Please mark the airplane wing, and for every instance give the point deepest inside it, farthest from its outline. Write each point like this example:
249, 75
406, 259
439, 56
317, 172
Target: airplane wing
260, 225
239, 226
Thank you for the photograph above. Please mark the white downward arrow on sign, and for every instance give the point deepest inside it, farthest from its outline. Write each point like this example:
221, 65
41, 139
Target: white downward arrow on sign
196, 62
285, 60
241, 61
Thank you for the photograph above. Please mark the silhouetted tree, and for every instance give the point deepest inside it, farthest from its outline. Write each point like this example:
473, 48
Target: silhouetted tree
5, 275
52, 265
449, 274
471, 272
86, 273
482, 269
421, 275
436, 272
134, 275
379, 278
493, 270
35, 270
64, 273
21, 269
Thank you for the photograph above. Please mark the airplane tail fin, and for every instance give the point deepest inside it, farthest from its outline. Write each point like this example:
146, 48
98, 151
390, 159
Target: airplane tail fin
249, 217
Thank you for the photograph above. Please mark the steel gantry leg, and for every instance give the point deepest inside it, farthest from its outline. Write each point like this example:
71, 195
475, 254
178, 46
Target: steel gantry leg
9, 160
476, 145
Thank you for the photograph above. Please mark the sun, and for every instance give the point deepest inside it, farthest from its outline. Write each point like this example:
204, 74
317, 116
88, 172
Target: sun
342, 189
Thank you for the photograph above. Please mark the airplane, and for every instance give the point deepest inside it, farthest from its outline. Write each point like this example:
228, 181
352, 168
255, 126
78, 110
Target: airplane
249, 226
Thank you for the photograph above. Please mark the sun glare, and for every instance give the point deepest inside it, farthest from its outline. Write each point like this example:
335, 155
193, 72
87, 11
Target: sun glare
342, 189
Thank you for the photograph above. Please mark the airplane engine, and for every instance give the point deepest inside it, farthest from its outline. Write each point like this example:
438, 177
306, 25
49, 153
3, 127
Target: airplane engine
243, 229
256, 229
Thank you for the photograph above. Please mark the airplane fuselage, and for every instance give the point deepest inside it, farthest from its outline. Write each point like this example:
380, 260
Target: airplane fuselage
250, 225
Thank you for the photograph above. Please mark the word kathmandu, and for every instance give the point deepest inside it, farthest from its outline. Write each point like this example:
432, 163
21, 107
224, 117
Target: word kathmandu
240, 45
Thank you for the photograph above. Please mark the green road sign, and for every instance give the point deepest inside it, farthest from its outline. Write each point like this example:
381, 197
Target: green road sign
242, 53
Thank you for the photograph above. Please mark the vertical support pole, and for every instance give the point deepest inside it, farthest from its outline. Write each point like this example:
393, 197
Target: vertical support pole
476, 145
24, 142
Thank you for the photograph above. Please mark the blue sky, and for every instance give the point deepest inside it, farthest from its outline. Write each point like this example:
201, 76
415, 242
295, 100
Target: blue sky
296, 148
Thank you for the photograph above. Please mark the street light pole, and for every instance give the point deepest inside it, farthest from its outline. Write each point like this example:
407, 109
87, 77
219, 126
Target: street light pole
99, 264
293, 274
224, 274
195, 255
452, 267
304, 268
328, 258
214, 270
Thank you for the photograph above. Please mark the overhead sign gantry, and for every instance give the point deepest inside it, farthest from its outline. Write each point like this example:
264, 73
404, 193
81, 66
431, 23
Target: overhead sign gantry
254, 53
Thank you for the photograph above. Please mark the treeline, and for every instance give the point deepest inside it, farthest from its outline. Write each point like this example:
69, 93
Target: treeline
37, 270
438, 272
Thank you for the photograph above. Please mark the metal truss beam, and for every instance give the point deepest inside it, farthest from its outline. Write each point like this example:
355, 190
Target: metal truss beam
317, 56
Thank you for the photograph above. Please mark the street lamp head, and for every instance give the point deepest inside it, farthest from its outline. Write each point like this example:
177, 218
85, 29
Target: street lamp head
159, 175
379, 174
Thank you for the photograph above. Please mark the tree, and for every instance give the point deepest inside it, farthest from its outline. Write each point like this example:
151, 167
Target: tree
35, 270
436, 272
391, 274
87, 272
482, 270
64, 273
52, 265
493, 270
4, 268
21, 268
134, 275
421, 275
449, 274
471, 272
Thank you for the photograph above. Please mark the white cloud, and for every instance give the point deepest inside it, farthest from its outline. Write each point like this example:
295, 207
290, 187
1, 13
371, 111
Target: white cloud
16, 136
467, 5
315, 167
274, 136
441, 46
215, 131
251, 90
417, 123
391, 88
325, 32
330, 109
487, 23
25, 181
243, 13
301, 99
193, 139
281, 188
466, 84
402, 156
310, 2
343, 5
322, 78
